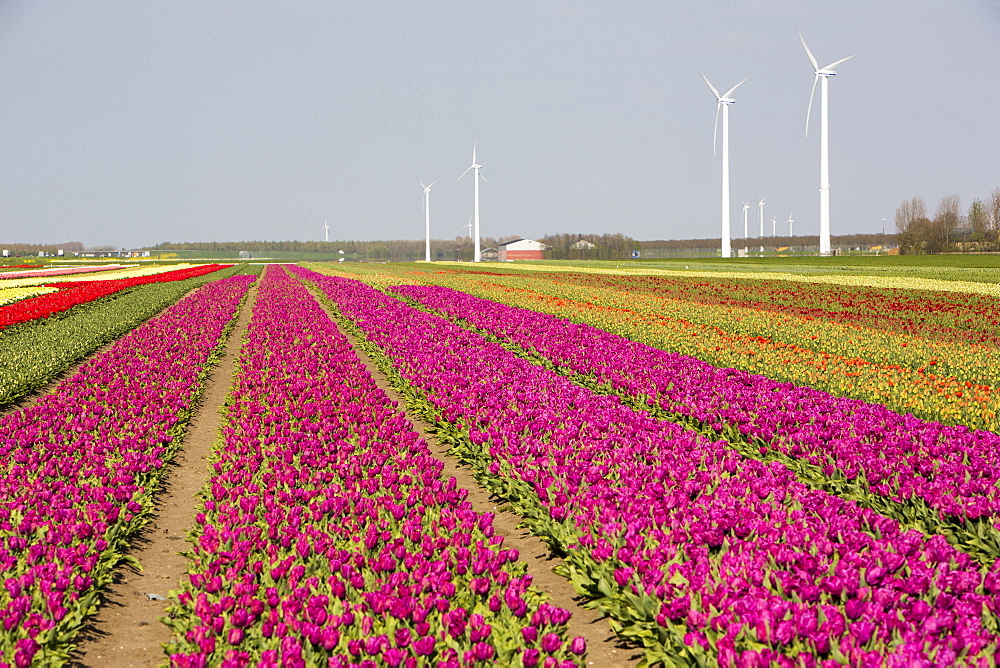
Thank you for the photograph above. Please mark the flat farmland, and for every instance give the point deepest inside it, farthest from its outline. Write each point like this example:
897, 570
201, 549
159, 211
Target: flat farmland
455, 464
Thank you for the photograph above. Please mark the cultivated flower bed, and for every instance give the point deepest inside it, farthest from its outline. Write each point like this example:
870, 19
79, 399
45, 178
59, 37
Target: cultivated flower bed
79, 292
700, 554
78, 469
59, 271
328, 536
937, 476
951, 382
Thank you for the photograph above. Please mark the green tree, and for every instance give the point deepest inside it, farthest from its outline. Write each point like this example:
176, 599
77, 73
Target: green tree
978, 221
909, 224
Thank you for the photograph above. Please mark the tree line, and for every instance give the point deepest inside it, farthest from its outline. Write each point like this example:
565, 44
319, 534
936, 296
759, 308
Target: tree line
951, 228
34, 249
606, 246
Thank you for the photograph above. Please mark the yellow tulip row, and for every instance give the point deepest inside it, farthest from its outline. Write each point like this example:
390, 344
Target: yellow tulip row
11, 295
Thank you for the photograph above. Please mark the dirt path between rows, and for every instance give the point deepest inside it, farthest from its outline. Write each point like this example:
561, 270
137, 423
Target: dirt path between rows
603, 647
127, 631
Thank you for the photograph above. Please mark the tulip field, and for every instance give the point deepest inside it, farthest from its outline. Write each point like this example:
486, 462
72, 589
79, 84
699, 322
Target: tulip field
735, 470
835, 514
79, 468
329, 537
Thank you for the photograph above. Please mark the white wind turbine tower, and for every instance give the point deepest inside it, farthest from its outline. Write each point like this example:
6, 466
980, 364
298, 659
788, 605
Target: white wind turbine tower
427, 218
723, 103
326, 228
789, 221
774, 226
476, 255
760, 204
823, 74
746, 205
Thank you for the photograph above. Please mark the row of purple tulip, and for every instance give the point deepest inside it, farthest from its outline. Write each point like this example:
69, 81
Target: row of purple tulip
899, 458
328, 536
79, 467
697, 552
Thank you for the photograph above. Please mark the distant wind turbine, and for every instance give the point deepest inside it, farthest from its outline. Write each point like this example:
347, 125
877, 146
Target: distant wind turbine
823, 74
746, 205
774, 226
427, 218
723, 102
760, 204
476, 254
326, 228
789, 221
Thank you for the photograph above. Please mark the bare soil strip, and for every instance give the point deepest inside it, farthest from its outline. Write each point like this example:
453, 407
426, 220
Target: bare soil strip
127, 631
603, 647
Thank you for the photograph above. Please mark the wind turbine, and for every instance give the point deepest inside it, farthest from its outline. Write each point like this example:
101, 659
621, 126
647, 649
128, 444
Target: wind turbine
427, 218
476, 255
823, 74
746, 205
723, 103
774, 226
760, 204
789, 221
326, 228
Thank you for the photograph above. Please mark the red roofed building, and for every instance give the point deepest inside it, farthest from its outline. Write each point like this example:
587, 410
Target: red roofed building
521, 249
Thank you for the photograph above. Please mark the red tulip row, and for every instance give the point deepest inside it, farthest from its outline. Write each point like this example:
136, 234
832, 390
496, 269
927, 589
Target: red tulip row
80, 292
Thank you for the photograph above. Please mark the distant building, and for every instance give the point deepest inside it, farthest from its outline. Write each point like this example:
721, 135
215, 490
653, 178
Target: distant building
490, 254
521, 249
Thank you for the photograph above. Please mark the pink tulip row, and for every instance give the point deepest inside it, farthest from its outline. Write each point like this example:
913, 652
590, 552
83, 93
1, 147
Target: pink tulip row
951, 468
700, 553
60, 271
328, 536
78, 469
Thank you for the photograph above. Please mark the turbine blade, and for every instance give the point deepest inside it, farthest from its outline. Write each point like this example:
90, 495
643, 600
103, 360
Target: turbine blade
480, 173
834, 65
715, 132
809, 111
710, 86
464, 173
730, 91
474, 151
432, 183
421, 184
812, 58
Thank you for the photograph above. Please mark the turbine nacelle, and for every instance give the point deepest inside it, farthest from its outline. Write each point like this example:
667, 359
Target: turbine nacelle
828, 71
721, 99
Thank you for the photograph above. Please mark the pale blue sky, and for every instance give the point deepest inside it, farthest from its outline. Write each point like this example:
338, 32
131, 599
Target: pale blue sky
131, 123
